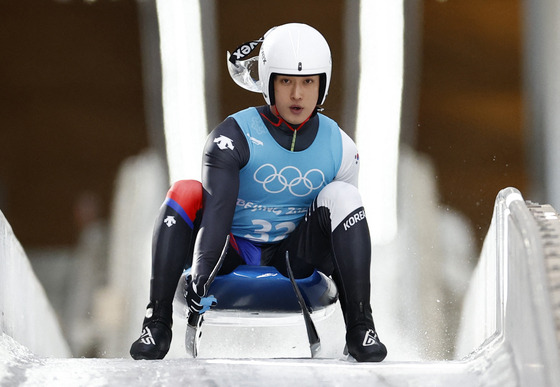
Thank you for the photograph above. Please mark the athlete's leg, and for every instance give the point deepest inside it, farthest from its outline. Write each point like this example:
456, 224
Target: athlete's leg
334, 238
172, 250
352, 251
174, 235
173, 241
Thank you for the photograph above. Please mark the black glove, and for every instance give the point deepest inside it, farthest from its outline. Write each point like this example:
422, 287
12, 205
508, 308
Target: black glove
196, 303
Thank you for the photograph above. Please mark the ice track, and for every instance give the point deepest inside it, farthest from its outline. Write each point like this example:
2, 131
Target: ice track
508, 335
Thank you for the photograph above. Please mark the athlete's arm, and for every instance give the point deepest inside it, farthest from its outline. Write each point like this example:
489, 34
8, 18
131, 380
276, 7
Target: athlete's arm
225, 153
350, 166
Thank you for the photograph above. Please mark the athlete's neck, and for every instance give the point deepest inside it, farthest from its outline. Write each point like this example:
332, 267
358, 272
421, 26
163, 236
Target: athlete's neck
287, 136
273, 116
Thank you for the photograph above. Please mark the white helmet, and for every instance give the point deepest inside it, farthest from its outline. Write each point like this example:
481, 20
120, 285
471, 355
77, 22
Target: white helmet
294, 49
289, 49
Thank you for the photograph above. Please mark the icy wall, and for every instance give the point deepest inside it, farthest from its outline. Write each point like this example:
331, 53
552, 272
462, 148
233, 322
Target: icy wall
26, 314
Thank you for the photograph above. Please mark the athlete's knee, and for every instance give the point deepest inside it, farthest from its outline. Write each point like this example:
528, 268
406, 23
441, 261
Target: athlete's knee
185, 196
186, 192
339, 194
341, 199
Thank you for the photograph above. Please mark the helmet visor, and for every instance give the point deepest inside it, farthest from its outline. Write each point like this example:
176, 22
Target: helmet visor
245, 73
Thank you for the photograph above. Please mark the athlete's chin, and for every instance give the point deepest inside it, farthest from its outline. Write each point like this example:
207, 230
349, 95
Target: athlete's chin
295, 116
296, 119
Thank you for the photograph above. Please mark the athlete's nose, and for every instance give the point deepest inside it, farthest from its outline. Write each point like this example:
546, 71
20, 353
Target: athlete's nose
297, 91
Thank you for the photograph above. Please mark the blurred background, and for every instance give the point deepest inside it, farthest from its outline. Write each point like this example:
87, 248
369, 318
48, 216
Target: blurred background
81, 103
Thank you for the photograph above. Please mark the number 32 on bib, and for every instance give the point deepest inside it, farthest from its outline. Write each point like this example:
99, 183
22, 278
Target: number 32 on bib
264, 230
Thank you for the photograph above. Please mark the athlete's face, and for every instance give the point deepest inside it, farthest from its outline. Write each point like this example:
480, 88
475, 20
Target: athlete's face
296, 96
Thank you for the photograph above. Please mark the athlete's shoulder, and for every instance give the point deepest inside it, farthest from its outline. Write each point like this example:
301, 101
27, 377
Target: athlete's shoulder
350, 161
228, 141
229, 128
327, 120
331, 125
247, 117
347, 140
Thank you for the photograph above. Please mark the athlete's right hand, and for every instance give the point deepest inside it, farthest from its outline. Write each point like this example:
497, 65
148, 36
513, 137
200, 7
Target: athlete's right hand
195, 302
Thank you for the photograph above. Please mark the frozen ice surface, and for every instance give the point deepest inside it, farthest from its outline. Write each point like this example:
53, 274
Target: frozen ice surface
246, 372
232, 362
21, 368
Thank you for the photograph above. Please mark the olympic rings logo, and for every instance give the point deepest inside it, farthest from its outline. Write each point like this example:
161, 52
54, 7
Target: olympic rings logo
291, 178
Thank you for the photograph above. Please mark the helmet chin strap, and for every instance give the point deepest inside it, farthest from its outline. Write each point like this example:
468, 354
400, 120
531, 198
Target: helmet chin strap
294, 130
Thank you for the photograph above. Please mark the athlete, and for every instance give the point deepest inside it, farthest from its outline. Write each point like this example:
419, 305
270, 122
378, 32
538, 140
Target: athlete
276, 178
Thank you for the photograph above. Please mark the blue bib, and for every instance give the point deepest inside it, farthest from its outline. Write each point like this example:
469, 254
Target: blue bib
278, 186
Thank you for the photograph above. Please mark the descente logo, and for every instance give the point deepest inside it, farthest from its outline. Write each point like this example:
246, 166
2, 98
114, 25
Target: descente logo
354, 219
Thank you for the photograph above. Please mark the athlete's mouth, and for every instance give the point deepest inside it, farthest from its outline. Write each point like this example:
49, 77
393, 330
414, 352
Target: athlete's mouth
296, 108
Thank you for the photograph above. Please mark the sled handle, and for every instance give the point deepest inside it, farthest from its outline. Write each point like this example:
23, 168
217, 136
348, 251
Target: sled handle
312, 335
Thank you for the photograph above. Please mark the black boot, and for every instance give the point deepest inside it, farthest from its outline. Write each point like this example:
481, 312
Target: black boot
156, 334
362, 342
352, 260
